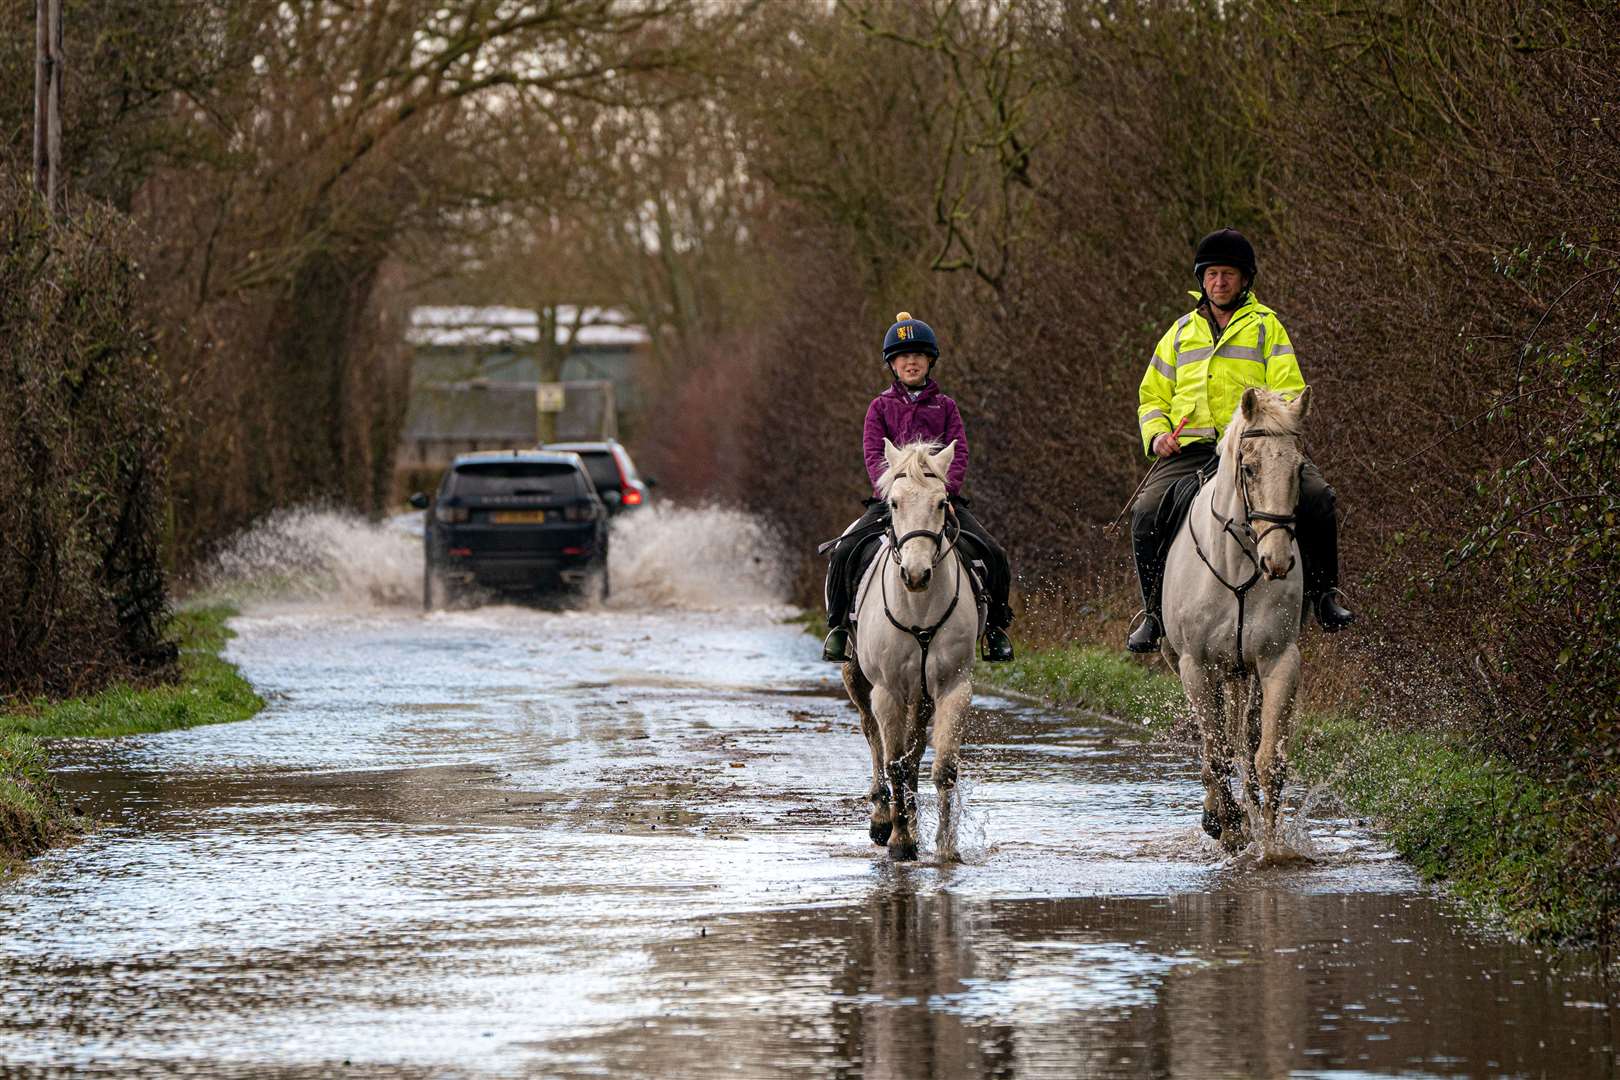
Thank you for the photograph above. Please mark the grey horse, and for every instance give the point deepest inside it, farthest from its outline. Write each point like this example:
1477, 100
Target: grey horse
916, 623
1233, 601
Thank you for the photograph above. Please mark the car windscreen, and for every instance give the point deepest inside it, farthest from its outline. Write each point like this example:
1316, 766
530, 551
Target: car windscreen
604, 471
515, 478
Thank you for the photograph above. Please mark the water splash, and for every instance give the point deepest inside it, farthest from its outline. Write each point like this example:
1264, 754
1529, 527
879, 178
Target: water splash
700, 558
704, 558
1291, 842
329, 558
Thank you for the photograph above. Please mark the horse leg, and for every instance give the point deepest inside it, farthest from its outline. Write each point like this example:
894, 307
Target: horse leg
893, 718
1242, 734
1205, 696
1279, 682
860, 692
947, 738
904, 846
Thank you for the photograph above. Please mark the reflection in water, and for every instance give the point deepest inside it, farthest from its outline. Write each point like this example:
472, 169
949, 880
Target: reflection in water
1252, 983
515, 843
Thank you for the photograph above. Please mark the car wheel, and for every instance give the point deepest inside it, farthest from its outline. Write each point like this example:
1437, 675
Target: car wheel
606, 588
435, 591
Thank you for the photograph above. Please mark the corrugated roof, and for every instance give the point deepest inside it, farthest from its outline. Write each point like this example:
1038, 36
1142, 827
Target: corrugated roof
461, 325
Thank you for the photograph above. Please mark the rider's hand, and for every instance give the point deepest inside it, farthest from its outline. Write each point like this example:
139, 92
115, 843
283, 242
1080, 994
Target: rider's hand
1166, 444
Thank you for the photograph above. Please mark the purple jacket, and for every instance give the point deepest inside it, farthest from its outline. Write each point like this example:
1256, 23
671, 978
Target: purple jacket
933, 416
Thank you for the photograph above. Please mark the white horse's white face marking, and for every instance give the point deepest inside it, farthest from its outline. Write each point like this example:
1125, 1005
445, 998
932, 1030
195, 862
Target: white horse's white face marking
915, 491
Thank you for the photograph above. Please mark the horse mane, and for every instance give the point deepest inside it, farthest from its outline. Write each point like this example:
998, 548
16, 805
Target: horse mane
1272, 414
913, 465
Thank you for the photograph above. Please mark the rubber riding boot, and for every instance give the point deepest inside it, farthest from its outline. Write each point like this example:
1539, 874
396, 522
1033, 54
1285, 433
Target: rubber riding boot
1333, 615
997, 646
1145, 638
1150, 574
836, 648
1318, 536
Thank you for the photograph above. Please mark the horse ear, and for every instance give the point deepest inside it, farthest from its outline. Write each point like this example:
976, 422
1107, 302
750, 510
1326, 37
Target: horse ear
891, 452
1302, 403
1250, 403
942, 460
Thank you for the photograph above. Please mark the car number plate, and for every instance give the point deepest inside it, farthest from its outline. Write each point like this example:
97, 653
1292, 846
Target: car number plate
517, 517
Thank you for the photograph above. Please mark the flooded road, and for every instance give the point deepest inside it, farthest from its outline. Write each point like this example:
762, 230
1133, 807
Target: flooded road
632, 842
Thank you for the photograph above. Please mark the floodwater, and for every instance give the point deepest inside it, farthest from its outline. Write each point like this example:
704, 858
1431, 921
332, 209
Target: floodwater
631, 841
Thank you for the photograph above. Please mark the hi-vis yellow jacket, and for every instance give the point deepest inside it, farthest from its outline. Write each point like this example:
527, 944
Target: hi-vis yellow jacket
1194, 377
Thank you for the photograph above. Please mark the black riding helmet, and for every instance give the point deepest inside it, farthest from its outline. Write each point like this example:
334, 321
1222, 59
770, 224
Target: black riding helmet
1225, 247
909, 335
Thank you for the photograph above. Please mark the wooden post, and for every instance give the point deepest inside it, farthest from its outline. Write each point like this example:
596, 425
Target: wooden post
53, 194
42, 92
48, 102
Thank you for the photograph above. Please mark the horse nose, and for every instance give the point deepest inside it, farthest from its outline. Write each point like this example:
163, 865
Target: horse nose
1276, 569
919, 582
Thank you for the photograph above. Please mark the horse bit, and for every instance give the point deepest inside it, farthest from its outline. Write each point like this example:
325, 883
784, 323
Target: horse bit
1244, 531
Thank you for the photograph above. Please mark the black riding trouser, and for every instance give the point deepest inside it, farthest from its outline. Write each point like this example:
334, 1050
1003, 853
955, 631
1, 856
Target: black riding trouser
1316, 526
976, 542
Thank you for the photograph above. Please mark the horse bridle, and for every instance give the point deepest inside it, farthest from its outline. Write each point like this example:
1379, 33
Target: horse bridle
1246, 530
1285, 522
939, 536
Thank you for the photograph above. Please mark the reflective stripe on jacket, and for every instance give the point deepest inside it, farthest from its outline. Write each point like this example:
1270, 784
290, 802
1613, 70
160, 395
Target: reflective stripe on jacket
1193, 377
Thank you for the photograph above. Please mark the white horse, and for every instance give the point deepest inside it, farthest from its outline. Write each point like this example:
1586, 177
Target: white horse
915, 625
1233, 602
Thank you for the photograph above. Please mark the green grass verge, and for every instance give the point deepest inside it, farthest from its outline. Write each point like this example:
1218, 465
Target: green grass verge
1509, 846
1095, 679
209, 691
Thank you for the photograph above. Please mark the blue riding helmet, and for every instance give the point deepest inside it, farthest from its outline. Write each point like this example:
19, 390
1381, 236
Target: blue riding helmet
909, 335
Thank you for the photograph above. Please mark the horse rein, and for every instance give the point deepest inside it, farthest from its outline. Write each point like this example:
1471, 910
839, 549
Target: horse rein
1231, 527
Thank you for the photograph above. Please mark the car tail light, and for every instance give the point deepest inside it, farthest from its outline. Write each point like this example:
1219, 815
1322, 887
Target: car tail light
574, 550
452, 515
463, 552
628, 496
580, 512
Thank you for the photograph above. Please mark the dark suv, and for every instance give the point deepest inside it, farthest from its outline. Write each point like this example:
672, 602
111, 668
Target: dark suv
513, 521
612, 471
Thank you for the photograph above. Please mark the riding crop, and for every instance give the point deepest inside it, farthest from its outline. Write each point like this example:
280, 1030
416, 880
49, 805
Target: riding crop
1113, 526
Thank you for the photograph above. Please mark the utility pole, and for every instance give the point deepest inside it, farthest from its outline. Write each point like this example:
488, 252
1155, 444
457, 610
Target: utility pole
48, 102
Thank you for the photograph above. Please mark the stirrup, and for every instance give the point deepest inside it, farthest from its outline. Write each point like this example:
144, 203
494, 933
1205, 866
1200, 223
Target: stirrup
1341, 616
842, 655
1144, 638
996, 651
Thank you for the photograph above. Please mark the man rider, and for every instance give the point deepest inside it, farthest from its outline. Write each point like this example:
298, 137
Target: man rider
1203, 363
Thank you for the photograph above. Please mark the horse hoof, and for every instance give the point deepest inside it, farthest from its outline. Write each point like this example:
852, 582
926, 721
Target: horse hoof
880, 833
903, 853
1212, 824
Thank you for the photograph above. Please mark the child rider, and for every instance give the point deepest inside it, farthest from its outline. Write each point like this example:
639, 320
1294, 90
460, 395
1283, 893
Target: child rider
913, 409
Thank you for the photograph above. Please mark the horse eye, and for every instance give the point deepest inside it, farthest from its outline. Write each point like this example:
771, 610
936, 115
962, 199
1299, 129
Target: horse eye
943, 503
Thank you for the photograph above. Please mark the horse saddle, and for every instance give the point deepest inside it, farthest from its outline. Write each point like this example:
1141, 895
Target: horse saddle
866, 560
1176, 503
